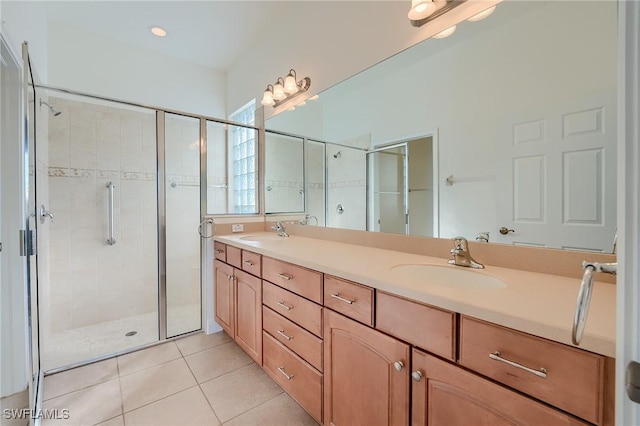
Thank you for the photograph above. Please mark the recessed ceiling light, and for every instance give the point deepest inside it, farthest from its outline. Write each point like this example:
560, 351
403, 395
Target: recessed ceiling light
158, 31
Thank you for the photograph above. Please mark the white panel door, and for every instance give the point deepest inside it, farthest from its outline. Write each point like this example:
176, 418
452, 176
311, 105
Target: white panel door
556, 178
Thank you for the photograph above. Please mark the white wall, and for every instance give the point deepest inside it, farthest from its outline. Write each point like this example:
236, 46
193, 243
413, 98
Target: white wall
90, 63
27, 21
330, 41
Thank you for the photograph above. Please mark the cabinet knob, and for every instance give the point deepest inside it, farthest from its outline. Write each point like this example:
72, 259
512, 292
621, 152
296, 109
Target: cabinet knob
398, 365
416, 375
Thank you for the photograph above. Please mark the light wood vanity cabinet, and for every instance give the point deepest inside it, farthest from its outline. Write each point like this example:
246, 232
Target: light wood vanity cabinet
366, 379
350, 355
444, 394
238, 307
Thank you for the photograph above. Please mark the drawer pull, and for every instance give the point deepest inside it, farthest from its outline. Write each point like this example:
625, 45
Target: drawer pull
250, 263
284, 373
417, 375
542, 372
285, 276
284, 305
398, 365
219, 251
342, 299
227, 275
283, 334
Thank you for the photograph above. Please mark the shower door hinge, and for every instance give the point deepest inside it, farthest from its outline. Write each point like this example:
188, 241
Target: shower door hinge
27, 242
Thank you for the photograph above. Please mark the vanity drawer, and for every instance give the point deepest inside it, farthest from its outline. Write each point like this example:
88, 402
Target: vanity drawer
350, 299
296, 338
234, 256
252, 262
428, 328
220, 251
298, 378
305, 282
574, 378
298, 309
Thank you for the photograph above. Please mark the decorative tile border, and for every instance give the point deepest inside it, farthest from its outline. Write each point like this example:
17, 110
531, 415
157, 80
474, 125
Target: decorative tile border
283, 184
103, 174
347, 184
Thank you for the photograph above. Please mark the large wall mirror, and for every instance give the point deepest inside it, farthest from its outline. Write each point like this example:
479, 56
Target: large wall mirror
520, 113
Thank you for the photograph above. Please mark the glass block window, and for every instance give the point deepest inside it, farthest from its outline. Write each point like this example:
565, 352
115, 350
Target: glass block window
243, 146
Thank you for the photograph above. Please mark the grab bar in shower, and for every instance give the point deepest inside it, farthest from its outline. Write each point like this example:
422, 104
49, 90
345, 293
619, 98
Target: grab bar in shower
111, 240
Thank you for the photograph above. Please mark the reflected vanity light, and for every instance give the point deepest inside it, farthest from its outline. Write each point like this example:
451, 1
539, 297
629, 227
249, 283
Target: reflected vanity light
285, 89
480, 16
158, 31
446, 33
420, 9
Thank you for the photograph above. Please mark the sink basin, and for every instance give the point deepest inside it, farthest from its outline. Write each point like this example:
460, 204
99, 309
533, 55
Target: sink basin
448, 276
262, 238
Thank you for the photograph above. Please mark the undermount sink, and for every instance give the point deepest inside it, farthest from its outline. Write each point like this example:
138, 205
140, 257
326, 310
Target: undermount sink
261, 238
448, 276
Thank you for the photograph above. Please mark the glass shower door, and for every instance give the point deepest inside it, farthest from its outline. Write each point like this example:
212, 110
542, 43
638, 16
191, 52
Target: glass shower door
99, 294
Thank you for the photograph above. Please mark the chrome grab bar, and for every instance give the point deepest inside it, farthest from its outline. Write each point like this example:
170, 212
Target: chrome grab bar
207, 221
111, 240
584, 296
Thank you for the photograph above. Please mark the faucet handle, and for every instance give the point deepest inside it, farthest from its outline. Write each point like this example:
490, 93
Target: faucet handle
460, 243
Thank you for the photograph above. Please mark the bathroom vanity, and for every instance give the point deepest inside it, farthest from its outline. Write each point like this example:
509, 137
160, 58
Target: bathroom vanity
360, 335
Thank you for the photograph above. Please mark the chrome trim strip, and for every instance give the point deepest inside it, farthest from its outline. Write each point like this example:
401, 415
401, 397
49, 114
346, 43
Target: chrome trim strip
162, 227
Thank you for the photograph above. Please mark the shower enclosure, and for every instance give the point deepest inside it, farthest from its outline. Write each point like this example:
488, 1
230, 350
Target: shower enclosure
119, 204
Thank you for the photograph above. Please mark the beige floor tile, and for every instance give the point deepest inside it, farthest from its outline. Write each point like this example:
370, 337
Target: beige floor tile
79, 378
116, 421
146, 358
155, 383
279, 411
87, 406
17, 401
239, 391
214, 362
199, 342
186, 408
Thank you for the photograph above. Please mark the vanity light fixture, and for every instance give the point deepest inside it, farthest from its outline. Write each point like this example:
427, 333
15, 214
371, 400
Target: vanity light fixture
446, 33
424, 11
420, 9
480, 16
285, 89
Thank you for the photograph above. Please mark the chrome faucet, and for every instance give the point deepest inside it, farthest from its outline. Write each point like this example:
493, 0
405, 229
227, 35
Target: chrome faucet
306, 219
483, 236
279, 228
461, 255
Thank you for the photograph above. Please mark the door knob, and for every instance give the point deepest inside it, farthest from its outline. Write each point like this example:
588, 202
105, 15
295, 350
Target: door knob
504, 230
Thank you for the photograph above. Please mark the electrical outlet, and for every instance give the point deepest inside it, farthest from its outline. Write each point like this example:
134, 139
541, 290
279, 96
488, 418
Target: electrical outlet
237, 227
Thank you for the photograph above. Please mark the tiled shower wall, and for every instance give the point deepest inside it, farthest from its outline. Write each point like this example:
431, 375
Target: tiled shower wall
90, 280
347, 186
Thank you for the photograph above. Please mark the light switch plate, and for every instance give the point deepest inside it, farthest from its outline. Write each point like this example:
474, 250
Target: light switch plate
237, 227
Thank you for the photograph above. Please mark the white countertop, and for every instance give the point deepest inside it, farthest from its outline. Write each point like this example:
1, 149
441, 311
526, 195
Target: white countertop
535, 303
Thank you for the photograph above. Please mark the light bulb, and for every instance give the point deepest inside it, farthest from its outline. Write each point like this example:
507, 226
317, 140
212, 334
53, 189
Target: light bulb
420, 9
314, 97
278, 91
291, 109
446, 33
267, 98
290, 85
482, 15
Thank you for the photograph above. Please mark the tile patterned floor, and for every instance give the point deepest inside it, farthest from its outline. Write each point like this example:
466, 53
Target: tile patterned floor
199, 380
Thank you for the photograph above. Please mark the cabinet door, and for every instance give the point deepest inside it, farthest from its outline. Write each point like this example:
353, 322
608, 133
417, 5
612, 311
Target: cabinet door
447, 395
249, 314
361, 383
224, 297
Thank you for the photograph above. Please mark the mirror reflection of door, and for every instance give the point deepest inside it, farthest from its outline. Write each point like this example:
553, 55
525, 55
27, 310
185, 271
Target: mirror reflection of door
402, 196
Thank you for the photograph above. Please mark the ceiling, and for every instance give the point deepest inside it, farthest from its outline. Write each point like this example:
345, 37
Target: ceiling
210, 33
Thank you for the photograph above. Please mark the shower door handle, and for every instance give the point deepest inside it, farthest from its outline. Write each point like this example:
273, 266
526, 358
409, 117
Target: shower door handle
111, 239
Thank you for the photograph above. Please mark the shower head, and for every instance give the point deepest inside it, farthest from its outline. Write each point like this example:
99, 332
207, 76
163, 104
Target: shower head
337, 154
54, 111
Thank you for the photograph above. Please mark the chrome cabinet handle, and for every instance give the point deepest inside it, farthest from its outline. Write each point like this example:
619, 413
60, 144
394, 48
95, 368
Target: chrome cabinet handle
284, 305
417, 375
283, 334
285, 276
342, 299
250, 263
542, 372
111, 240
284, 373
398, 365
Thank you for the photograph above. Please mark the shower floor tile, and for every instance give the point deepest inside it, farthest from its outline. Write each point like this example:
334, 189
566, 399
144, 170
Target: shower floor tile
154, 390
